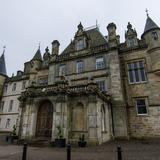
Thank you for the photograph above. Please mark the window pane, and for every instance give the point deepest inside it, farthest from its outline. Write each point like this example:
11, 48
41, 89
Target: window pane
99, 63
79, 67
140, 101
101, 85
142, 110
135, 65
136, 76
62, 70
142, 73
141, 106
141, 65
130, 66
131, 76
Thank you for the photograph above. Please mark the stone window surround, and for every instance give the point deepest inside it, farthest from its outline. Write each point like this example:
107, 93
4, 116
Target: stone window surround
146, 103
80, 44
145, 69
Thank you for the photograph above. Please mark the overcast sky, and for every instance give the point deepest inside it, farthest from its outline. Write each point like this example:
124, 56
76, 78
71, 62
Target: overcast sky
25, 23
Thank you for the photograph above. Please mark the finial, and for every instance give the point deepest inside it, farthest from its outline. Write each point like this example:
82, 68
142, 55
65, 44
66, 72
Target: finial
147, 12
96, 23
80, 27
47, 50
4, 48
129, 26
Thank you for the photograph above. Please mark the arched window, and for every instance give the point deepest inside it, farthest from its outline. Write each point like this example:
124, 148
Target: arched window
103, 118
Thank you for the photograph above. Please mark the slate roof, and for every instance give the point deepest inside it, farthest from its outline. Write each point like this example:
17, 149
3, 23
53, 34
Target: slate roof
38, 55
150, 24
96, 39
3, 65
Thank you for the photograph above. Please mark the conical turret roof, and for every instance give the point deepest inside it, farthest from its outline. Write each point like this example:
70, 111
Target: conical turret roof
150, 24
38, 55
3, 65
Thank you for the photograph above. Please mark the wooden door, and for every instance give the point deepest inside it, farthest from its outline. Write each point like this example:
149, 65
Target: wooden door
44, 120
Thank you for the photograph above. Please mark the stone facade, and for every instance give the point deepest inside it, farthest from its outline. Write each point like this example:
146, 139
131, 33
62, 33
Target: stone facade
97, 87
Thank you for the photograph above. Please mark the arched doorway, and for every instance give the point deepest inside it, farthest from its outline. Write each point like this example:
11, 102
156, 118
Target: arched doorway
44, 119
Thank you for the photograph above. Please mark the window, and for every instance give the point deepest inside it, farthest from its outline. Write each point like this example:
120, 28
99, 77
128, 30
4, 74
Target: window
43, 80
101, 85
62, 70
8, 123
5, 88
14, 87
79, 66
10, 106
80, 44
155, 35
131, 42
99, 63
23, 85
2, 106
141, 106
136, 72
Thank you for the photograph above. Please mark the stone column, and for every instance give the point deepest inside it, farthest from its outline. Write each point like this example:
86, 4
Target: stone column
92, 120
60, 116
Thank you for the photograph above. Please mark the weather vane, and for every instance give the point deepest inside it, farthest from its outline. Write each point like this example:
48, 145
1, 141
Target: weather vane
147, 12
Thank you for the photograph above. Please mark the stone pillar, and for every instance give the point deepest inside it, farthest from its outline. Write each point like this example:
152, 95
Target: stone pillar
60, 116
93, 125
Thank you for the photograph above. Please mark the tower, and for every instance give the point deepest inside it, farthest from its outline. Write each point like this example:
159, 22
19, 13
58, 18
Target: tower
3, 73
151, 36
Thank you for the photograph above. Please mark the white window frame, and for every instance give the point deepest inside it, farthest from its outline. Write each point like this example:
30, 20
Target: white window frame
133, 71
101, 85
62, 70
79, 66
146, 105
99, 63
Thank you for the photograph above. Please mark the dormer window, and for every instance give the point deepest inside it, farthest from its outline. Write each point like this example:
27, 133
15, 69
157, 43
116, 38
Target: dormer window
131, 42
155, 35
81, 44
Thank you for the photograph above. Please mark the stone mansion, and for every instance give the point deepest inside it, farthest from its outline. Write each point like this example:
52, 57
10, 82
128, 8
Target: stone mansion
97, 87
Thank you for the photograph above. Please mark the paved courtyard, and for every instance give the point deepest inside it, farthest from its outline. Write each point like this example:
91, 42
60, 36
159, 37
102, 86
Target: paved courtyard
132, 150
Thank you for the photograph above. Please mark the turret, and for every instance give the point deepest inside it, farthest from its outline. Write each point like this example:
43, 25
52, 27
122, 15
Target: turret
151, 36
113, 39
3, 73
36, 61
55, 47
